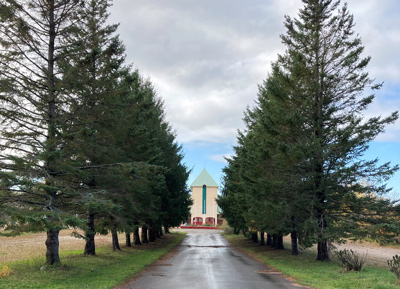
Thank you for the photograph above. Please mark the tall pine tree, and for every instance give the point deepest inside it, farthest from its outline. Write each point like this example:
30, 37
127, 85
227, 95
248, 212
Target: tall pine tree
325, 75
302, 152
34, 37
99, 81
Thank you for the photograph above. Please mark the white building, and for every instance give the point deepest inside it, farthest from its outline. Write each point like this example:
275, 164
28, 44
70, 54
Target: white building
204, 210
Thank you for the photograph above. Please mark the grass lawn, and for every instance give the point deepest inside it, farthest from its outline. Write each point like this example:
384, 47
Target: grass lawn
315, 274
105, 270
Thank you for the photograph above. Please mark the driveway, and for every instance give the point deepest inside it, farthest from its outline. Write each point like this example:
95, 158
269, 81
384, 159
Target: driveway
205, 260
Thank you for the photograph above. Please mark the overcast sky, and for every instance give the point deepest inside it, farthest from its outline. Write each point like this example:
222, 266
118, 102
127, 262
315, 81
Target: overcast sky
206, 58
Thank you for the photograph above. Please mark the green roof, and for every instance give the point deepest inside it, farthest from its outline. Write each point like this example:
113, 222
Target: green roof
204, 179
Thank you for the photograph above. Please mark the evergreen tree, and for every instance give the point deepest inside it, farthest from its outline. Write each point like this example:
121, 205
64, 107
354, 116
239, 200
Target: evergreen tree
232, 201
151, 140
175, 203
34, 37
278, 143
325, 76
99, 81
299, 165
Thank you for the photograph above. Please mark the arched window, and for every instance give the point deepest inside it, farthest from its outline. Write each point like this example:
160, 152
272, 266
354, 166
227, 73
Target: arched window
204, 199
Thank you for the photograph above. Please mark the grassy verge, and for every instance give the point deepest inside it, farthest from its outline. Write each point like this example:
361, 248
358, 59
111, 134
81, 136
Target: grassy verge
315, 274
106, 270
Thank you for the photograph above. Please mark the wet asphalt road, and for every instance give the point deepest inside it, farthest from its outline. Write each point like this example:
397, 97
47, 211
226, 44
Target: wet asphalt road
204, 260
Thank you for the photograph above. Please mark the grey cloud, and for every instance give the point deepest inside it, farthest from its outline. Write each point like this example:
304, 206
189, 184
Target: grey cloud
378, 24
206, 57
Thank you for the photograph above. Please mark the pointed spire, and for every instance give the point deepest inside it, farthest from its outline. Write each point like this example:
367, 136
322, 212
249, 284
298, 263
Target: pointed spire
204, 179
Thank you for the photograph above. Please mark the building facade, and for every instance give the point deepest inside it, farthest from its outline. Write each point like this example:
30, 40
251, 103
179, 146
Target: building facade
204, 210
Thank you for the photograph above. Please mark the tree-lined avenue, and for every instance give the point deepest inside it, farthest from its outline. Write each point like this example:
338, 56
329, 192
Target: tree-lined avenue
206, 260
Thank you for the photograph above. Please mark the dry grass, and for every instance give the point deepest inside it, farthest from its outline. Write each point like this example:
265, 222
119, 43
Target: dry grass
376, 255
106, 270
30, 246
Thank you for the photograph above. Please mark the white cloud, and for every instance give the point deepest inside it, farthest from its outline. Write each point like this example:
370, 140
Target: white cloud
378, 24
384, 107
220, 158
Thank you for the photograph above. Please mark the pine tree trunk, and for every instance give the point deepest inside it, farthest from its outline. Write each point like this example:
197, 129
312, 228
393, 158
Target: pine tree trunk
52, 241
322, 246
293, 238
136, 237
295, 248
152, 233
90, 248
115, 242
323, 254
128, 240
159, 231
262, 243
269, 240
254, 237
279, 243
114, 235
52, 246
166, 230
244, 233
274, 243
145, 240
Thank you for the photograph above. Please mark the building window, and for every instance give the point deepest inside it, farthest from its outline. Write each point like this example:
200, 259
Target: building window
204, 198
